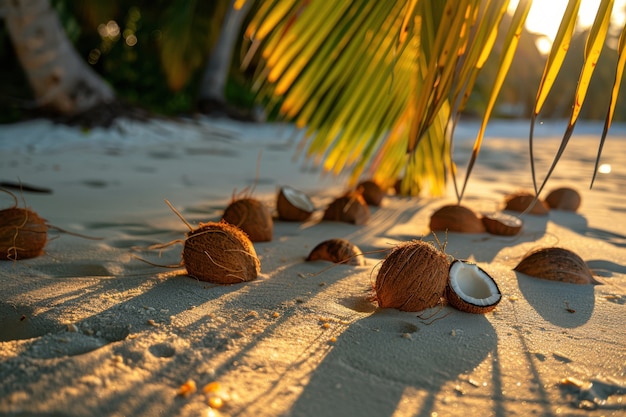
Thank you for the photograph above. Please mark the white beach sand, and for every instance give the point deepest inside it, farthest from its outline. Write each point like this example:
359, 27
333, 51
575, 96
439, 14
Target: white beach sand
86, 329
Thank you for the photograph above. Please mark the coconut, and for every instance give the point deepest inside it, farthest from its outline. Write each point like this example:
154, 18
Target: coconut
220, 252
456, 218
373, 194
293, 205
339, 251
502, 224
350, 208
251, 216
556, 264
471, 289
412, 277
520, 202
23, 234
564, 198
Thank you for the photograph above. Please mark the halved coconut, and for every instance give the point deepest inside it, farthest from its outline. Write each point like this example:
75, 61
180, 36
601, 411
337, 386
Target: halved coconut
471, 289
502, 224
293, 205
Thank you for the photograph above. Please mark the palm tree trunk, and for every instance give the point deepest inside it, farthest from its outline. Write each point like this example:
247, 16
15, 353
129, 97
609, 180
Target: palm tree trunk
61, 80
212, 88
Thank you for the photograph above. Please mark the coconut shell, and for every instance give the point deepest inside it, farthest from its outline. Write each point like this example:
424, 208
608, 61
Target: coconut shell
23, 234
556, 264
350, 208
339, 251
564, 198
502, 224
297, 210
455, 218
251, 216
480, 293
519, 202
373, 194
412, 277
220, 253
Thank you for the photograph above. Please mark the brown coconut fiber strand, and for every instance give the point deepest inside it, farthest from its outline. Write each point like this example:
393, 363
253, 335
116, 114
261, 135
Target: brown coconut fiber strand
413, 277
220, 253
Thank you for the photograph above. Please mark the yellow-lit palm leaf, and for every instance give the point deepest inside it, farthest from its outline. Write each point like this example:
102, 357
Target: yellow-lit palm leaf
506, 57
619, 72
595, 43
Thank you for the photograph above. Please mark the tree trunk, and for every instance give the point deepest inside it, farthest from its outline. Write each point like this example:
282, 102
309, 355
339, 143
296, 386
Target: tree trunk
61, 80
212, 88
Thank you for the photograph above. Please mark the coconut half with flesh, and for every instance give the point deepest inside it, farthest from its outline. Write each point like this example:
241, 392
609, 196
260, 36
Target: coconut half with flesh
293, 205
471, 289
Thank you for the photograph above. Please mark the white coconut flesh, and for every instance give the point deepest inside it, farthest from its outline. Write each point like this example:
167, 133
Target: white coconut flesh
298, 199
473, 284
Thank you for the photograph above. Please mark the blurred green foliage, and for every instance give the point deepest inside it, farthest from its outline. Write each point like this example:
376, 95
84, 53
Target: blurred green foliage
153, 54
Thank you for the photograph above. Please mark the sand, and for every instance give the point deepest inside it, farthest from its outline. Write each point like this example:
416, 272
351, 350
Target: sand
88, 329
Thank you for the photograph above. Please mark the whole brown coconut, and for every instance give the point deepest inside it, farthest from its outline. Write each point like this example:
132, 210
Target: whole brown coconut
556, 264
373, 194
564, 198
350, 208
339, 251
456, 218
293, 205
220, 253
412, 277
519, 202
251, 216
502, 224
23, 234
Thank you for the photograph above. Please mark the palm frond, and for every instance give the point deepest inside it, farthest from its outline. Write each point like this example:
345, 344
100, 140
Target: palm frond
619, 72
594, 46
375, 84
506, 58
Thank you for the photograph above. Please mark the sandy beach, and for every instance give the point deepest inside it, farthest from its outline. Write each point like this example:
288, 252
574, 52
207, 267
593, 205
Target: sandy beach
88, 329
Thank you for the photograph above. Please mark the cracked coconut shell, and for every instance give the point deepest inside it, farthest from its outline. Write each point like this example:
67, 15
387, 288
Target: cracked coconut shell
413, 277
293, 205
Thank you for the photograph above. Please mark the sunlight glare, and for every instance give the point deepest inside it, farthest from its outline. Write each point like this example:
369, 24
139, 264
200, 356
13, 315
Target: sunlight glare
544, 17
604, 169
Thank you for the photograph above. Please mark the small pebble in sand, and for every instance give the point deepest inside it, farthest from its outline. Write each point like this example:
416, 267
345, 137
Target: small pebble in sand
188, 388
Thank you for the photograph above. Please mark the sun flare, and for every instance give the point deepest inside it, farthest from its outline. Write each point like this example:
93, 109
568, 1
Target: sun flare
545, 16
